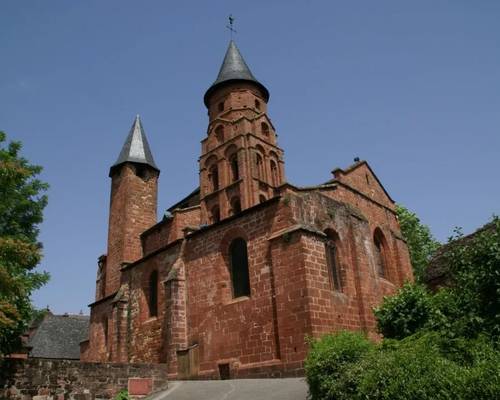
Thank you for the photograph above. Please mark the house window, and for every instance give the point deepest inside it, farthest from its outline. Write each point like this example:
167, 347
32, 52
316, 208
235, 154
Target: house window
220, 106
215, 214
257, 104
214, 177
332, 259
235, 172
153, 294
238, 258
380, 253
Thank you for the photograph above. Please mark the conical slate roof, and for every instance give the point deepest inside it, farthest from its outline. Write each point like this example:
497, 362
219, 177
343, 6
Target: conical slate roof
234, 68
136, 148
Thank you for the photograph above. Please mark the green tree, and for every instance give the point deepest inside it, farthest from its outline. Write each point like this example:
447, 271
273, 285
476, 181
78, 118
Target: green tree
22, 201
421, 244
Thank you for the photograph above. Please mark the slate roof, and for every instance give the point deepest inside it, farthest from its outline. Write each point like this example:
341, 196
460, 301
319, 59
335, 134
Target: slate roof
234, 68
59, 336
136, 147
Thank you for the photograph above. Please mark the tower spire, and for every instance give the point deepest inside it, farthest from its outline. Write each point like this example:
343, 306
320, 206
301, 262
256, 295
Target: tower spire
136, 147
233, 69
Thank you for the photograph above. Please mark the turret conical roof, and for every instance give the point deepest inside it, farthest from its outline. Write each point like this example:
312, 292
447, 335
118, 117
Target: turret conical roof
234, 68
136, 147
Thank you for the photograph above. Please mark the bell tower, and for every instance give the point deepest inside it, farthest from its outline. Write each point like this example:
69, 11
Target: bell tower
134, 187
241, 163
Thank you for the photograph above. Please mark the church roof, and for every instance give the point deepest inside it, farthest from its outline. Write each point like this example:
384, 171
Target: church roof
234, 68
136, 148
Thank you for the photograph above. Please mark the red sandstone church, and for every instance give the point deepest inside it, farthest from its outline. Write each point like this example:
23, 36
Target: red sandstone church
238, 273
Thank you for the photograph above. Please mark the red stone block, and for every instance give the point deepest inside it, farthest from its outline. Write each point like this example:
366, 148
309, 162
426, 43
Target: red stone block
140, 386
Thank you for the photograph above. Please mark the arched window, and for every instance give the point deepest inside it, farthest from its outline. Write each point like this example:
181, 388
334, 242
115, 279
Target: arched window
257, 104
380, 253
262, 198
332, 259
153, 294
235, 205
259, 166
213, 176
219, 133
220, 106
264, 128
274, 173
238, 259
215, 214
235, 171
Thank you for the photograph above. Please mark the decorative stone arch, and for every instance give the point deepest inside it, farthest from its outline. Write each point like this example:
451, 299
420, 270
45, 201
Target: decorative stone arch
231, 155
219, 133
235, 205
212, 168
274, 168
382, 254
264, 128
259, 156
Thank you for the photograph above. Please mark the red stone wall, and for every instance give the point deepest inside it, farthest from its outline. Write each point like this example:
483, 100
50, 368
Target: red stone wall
166, 232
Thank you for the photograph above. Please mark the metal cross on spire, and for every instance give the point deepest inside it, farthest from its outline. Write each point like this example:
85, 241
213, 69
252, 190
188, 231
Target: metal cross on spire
230, 26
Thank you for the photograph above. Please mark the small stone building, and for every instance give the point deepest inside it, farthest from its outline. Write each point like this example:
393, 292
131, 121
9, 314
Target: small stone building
238, 273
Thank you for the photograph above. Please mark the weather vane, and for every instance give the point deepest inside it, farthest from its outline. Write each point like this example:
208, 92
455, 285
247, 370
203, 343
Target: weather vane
230, 26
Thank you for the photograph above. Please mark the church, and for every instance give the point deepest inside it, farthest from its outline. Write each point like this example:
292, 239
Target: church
236, 275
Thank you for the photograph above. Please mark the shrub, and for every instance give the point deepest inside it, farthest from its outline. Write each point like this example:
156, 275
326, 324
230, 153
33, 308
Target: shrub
422, 366
405, 313
332, 362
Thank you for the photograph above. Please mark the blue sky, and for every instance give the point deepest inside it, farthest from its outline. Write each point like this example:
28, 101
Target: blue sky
412, 87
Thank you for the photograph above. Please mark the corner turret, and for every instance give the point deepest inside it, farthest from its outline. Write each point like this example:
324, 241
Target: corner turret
133, 205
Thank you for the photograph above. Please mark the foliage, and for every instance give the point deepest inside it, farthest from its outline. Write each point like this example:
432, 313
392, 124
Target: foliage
468, 308
421, 244
424, 366
405, 313
122, 395
21, 205
329, 364
474, 265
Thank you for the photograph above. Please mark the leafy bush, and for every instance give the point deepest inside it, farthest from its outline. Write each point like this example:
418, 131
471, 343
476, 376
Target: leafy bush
474, 265
405, 313
422, 366
468, 308
330, 365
